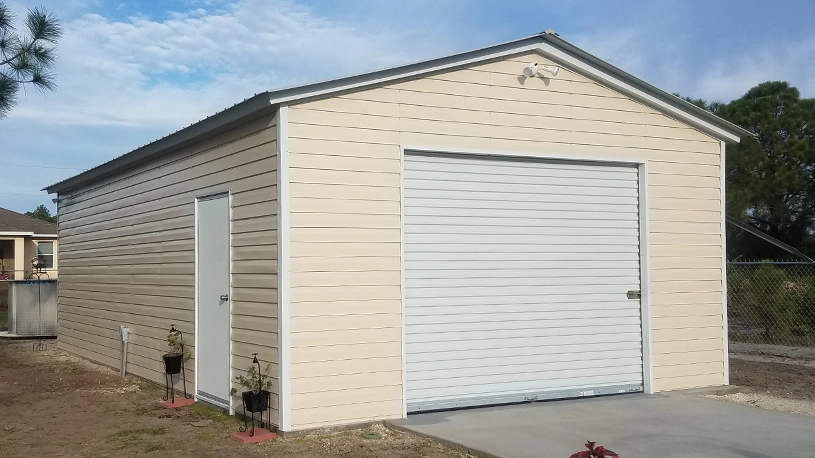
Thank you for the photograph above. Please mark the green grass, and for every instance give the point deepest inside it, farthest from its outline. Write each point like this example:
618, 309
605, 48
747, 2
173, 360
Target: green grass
209, 413
136, 437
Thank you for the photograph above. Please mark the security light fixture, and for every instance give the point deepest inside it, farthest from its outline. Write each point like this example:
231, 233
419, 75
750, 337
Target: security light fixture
533, 70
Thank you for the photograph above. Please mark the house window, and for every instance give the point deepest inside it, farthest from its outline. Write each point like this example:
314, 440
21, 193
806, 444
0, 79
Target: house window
45, 252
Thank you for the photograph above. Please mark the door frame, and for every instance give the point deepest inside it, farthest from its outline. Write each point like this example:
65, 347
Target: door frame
592, 155
228, 196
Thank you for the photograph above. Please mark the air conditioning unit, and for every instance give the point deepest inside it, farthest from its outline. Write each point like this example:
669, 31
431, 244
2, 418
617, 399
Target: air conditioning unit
32, 308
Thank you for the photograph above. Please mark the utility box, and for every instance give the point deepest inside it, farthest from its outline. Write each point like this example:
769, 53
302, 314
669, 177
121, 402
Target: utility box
32, 308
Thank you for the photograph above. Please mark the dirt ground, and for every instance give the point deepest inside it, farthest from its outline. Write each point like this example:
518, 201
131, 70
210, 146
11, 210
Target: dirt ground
785, 380
55, 405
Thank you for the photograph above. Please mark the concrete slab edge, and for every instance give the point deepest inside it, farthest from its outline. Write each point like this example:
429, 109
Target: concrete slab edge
448, 443
712, 390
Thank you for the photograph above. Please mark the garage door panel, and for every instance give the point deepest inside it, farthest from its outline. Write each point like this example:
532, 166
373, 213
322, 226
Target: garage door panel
564, 210
526, 383
515, 227
475, 291
558, 351
519, 336
434, 344
543, 362
453, 163
531, 167
429, 316
615, 195
533, 371
489, 328
525, 191
541, 255
502, 239
488, 280
581, 178
512, 271
562, 300
510, 266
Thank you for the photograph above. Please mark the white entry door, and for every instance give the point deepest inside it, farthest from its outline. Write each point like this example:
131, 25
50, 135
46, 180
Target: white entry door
212, 280
517, 280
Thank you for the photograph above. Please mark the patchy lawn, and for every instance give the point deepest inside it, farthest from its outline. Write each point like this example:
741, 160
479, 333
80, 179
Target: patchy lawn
53, 404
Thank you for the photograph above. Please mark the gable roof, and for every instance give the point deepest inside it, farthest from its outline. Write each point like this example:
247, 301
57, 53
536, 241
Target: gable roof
18, 223
548, 44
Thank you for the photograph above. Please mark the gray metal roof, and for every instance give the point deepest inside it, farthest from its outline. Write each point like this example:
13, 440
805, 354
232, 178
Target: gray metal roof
267, 102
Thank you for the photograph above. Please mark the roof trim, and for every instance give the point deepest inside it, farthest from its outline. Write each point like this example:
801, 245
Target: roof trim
227, 119
639, 89
546, 43
16, 234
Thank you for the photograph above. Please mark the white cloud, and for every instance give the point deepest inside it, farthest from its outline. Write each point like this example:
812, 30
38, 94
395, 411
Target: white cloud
198, 62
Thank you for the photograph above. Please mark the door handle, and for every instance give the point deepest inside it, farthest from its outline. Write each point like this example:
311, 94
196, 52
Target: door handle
224, 297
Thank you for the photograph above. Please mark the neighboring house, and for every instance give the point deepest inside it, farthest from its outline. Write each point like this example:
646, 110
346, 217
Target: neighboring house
23, 238
447, 233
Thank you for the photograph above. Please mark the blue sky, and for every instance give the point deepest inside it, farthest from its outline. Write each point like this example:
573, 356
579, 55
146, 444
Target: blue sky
130, 72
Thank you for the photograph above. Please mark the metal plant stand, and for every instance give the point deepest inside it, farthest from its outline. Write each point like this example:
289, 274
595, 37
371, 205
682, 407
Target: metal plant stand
169, 392
246, 400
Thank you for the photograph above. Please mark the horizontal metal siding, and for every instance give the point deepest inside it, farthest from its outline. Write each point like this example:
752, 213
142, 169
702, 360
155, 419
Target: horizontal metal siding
516, 275
128, 254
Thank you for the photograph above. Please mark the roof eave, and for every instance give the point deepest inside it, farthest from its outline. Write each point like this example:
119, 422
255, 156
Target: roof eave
251, 108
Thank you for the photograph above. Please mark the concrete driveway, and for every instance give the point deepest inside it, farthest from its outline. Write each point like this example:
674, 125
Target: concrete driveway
635, 426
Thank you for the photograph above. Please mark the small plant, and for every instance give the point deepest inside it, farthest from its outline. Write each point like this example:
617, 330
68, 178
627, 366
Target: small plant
254, 380
177, 344
257, 384
594, 452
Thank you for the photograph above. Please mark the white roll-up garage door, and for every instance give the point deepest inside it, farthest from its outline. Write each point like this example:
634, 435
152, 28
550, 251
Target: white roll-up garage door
517, 275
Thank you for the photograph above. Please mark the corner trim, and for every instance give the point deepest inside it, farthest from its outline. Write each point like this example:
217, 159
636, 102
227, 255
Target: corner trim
725, 325
283, 270
645, 282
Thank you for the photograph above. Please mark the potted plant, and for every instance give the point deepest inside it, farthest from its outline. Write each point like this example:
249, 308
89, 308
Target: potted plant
178, 352
257, 385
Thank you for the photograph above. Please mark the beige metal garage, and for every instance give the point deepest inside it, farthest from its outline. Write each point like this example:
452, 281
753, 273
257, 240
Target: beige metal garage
441, 234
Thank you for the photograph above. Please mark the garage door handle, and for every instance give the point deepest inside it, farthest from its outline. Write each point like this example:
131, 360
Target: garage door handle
634, 294
224, 297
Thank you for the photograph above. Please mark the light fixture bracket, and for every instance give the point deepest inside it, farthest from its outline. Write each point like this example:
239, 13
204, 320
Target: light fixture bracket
534, 70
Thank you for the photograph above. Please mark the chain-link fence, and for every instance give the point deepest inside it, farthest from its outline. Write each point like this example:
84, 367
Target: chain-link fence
771, 302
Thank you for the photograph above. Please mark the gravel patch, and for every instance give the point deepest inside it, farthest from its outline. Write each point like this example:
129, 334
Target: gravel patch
770, 402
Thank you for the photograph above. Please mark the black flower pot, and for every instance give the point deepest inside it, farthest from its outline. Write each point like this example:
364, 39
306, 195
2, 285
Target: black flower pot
256, 402
172, 364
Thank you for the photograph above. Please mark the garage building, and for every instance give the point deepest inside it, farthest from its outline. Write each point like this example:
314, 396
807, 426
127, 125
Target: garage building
443, 234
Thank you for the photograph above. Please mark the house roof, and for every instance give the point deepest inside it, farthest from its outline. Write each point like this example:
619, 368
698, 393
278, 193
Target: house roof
547, 43
13, 222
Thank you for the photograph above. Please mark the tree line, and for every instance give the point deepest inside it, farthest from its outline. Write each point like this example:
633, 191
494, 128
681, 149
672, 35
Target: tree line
770, 177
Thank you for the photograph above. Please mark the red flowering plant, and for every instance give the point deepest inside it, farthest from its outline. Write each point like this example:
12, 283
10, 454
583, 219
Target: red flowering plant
594, 452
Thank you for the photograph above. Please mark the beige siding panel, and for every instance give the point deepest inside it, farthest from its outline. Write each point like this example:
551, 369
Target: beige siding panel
346, 382
338, 191
345, 249
345, 214
337, 415
128, 253
346, 322
345, 397
687, 346
335, 353
691, 381
341, 308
